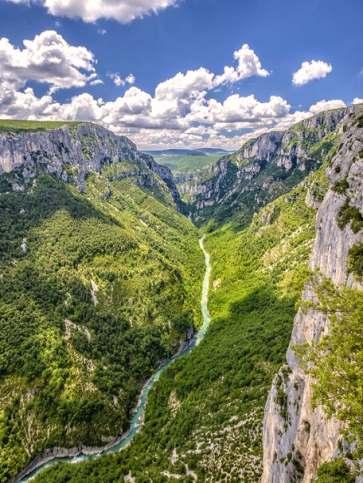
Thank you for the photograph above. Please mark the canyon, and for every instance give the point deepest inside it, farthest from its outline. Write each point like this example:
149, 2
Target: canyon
95, 233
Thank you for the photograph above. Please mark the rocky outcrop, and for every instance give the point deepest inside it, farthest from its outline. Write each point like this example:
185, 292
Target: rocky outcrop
74, 151
263, 168
297, 437
263, 148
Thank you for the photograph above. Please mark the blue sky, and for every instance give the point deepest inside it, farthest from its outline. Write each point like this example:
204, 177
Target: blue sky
79, 66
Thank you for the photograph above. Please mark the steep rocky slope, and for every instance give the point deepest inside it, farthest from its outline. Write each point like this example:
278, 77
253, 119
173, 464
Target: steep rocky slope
74, 151
263, 169
99, 282
310, 417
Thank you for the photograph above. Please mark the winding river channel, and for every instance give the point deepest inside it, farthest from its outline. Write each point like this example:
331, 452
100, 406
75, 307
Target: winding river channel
79, 455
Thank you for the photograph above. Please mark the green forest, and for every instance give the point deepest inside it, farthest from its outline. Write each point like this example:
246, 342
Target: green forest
188, 164
103, 290
258, 275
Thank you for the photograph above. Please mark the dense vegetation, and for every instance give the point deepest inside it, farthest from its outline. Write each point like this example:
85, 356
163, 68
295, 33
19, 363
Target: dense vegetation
96, 290
350, 215
103, 286
355, 262
336, 471
204, 417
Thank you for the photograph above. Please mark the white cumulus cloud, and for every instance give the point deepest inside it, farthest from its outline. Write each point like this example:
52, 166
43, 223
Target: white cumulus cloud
83, 107
26, 105
326, 105
123, 11
186, 85
193, 84
47, 58
248, 65
120, 81
311, 70
238, 109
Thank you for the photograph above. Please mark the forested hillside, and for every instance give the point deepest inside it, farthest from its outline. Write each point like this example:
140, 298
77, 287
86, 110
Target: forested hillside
97, 288
263, 169
204, 417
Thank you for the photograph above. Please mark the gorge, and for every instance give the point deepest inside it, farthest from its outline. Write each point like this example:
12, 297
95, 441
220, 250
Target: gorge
102, 272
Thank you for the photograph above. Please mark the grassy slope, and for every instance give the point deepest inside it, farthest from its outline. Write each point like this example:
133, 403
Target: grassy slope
188, 164
67, 382
16, 126
207, 409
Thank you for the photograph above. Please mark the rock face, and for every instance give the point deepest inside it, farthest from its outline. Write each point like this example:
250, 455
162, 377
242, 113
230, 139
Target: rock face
298, 438
73, 152
263, 168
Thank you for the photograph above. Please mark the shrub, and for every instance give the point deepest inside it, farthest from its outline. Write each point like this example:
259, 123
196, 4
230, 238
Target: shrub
342, 185
356, 259
339, 353
360, 121
350, 214
335, 471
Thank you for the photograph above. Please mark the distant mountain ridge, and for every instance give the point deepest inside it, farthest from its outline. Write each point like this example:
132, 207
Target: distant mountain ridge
186, 152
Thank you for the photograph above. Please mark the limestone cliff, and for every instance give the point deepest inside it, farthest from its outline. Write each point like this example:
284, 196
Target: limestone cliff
263, 169
298, 438
74, 151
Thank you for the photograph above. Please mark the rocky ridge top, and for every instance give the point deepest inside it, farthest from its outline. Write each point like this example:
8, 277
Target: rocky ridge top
73, 152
